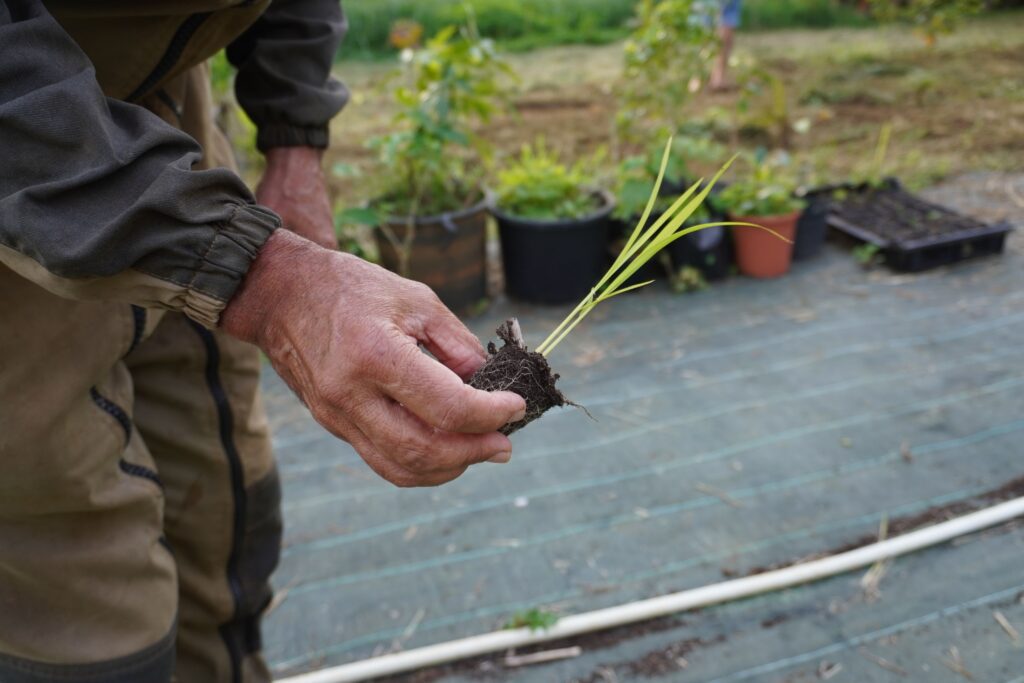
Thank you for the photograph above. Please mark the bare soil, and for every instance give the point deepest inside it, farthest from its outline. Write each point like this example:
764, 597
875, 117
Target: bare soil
955, 107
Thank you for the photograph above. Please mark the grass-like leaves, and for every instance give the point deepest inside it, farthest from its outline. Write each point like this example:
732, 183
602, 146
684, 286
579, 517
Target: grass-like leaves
643, 245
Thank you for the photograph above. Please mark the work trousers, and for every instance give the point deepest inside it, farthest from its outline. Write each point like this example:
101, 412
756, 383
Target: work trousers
139, 502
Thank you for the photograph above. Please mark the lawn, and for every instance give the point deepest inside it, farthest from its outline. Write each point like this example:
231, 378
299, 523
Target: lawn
954, 107
526, 24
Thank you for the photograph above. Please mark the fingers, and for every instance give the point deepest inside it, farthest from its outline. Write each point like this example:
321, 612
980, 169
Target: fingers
421, 449
407, 452
390, 470
451, 342
437, 396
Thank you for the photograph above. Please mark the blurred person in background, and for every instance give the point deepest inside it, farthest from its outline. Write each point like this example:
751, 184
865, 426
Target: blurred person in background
729, 15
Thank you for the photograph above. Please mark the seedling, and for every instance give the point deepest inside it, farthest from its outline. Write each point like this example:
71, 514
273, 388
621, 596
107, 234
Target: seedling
534, 619
527, 373
866, 254
689, 279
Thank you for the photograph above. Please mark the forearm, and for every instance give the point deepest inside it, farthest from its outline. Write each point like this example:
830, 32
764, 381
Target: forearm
98, 198
284, 80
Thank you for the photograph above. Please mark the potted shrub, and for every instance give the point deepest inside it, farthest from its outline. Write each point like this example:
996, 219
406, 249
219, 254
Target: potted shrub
764, 198
430, 210
553, 224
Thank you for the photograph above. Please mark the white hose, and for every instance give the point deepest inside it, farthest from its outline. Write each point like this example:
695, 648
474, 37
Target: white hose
666, 604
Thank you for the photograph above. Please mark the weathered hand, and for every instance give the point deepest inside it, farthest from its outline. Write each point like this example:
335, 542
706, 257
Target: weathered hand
293, 186
345, 335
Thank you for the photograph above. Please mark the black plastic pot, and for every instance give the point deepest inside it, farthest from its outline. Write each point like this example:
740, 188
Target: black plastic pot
812, 227
554, 261
709, 251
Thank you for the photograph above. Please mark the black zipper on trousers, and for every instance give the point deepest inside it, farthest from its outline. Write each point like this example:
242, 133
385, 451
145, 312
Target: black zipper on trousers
139, 326
114, 410
134, 470
226, 423
119, 414
171, 56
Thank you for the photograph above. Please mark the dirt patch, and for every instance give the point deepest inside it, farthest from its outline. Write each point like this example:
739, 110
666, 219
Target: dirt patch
543, 104
774, 621
527, 373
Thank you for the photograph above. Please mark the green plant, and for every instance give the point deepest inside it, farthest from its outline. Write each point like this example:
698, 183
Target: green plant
763, 103
873, 174
866, 254
766, 191
689, 279
515, 24
636, 175
456, 79
534, 619
537, 185
351, 227
930, 18
776, 14
667, 56
644, 244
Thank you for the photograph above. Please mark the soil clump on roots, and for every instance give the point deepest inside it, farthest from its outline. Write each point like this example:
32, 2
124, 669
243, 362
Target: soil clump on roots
516, 368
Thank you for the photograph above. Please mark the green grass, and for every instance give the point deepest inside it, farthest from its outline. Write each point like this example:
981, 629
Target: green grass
517, 24
776, 14
527, 24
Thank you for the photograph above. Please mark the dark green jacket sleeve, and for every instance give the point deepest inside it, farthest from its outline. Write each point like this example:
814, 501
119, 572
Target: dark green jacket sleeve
98, 198
284, 78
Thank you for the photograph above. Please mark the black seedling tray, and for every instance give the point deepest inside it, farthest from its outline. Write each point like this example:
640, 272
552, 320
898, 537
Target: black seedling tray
913, 234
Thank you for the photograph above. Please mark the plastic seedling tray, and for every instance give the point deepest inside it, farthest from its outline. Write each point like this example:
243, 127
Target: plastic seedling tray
913, 234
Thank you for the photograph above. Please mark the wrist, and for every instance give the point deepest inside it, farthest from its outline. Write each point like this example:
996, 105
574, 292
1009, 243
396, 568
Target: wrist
293, 157
251, 312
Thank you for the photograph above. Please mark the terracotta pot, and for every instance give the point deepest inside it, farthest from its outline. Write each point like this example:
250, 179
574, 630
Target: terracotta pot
760, 253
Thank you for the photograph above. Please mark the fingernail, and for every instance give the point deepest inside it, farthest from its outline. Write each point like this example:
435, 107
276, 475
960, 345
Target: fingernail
501, 458
519, 415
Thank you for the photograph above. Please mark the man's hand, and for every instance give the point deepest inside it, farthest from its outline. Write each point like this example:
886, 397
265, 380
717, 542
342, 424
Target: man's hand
345, 335
293, 186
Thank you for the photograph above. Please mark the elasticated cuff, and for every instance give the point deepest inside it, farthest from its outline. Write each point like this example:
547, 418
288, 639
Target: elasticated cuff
286, 135
227, 260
